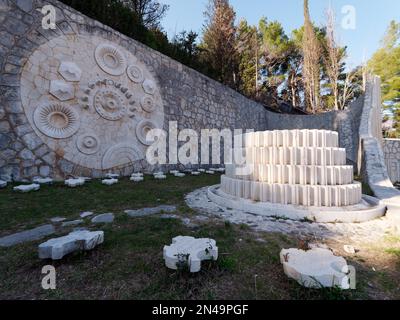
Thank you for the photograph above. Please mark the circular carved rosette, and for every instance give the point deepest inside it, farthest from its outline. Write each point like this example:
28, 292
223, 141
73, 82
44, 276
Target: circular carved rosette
120, 155
148, 104
110, 59
58, 121
135, 74
142, 129
109, 104
88, 143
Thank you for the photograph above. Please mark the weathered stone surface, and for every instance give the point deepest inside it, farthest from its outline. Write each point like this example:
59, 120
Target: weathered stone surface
58, 220
349, 249
58, 248
104, 218
27, 188
86, 214
72, 223
3, 184
316, 268
112, 175
150, 211
46, 181
189, 252
27, 236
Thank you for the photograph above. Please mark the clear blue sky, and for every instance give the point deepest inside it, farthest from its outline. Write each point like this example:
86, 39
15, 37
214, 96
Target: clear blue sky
372, 19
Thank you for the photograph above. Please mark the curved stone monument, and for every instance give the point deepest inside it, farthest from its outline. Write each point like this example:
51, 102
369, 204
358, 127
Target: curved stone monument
297, 174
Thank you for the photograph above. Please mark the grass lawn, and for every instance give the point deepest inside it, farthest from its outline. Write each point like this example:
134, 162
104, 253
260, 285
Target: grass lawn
129, 265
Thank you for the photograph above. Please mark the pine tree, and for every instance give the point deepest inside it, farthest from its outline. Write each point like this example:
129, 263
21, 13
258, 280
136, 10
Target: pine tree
247, 47
219, 41
311, 64
386, 64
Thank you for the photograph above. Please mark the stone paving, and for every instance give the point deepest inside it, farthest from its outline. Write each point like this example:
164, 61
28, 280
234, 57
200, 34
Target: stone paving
355, 232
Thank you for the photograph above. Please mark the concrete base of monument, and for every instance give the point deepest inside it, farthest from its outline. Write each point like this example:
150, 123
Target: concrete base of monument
370, 208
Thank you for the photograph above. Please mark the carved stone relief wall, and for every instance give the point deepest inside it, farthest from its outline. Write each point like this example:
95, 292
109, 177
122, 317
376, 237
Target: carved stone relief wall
91, 101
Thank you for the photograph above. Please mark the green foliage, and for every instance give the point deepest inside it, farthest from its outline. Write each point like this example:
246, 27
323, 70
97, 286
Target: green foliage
123, 18
386, 64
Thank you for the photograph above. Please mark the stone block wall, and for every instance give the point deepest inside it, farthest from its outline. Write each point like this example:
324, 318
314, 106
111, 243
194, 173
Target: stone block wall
66, 109
391, 148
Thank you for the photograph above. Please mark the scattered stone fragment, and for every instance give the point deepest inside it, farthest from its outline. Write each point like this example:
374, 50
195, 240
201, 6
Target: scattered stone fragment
137, 175
188, 223
58, 220
179, 175
27, 188
169, 216
58, 248
316, 268
202, 218
72, 223
137, 179
73, 183
210, 172
26, 236
202, 170
112, 175
46, 181
104, 218
3, 184
160, 177
349, 249
86, 214
174, 172
109, 182
318, 245
86, 179
196, 173
189, 252
150, 211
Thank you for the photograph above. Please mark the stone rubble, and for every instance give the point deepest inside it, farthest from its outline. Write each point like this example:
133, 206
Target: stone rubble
189, 252
58, 248
3, 184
